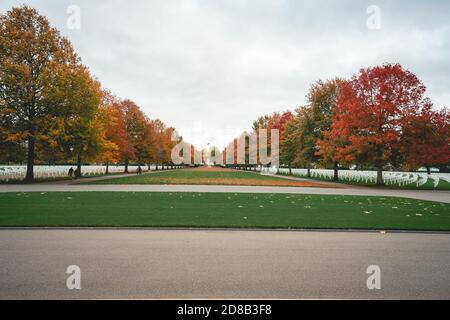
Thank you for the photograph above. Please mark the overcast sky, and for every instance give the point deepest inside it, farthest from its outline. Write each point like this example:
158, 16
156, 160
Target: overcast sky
211, 67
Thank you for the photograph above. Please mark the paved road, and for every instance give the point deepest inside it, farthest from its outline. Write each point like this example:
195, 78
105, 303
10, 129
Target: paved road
432, 195
222, 264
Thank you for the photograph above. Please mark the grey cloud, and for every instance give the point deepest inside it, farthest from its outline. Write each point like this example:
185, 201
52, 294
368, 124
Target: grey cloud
225, 62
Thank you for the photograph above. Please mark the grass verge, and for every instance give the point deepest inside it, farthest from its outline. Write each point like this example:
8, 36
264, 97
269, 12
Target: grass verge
142, 209
203, 177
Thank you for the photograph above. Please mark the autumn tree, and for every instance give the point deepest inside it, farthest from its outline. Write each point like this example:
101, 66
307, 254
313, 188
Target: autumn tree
281, 123
160, 142
12, 148
112, 121
307, 137
169, 143
322, 98
306, 129
290, 142
275, 121
116, 132
263, 122
371, 112
30, 52
158, 152
143, 139
11, 151
426, 139
136, 129
299, 134
81, 126
148, 153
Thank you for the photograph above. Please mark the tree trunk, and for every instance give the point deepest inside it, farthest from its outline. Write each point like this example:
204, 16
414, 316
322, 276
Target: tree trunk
107, 168
428, 170
380, 181
126, 165
336, 172
308, 174
30, 158
79, 164
290, 169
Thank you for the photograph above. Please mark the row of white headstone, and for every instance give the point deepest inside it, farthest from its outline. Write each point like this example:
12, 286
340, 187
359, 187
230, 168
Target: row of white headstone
390, 178
17, 173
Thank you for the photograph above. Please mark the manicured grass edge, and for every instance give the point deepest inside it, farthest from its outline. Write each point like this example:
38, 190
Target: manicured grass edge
209, 228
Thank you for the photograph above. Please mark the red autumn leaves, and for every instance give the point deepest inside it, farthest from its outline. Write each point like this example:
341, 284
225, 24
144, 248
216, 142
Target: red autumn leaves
382, 118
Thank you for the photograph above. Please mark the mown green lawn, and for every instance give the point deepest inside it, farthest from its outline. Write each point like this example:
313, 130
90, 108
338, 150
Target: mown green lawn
128, 209
202, 177
160, 176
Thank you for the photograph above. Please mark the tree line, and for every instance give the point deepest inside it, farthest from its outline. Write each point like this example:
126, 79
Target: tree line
378, 119
52, 110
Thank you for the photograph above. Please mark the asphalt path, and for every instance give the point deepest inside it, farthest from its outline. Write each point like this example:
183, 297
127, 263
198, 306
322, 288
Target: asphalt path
161, 264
